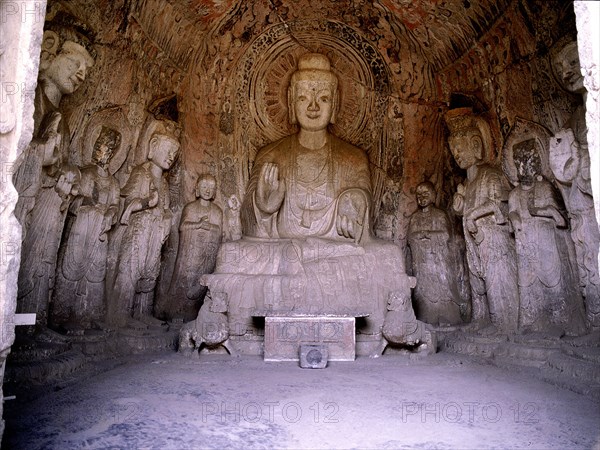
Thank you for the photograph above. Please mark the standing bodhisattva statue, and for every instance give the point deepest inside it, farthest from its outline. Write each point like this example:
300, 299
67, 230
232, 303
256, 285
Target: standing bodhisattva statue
483, 203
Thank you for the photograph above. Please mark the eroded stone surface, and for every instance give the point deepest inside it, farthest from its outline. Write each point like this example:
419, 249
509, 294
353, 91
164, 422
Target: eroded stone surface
570, 163
550, 298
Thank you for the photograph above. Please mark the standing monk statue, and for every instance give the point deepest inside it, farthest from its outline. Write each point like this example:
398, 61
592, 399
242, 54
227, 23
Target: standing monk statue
437, 298
200, 234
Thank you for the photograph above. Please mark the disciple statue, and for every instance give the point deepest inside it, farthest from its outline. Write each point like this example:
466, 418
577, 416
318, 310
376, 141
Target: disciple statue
570, 164
548, 285
307, 245
145, 223
483, 203
79, 293
63, 67
40, 245
200, 234
437, 298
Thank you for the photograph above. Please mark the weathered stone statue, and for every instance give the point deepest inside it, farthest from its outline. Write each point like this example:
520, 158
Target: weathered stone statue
200, 234
63, 66
570, 163
402, 329
40, 245
548, 286
210, 328
482, 202
437, 299
307, 245
79, 293
147, 221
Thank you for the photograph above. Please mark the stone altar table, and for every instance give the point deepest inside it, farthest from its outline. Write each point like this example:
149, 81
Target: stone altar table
285, 332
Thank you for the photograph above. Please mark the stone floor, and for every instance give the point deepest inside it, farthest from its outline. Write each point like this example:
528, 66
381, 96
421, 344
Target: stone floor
164, 400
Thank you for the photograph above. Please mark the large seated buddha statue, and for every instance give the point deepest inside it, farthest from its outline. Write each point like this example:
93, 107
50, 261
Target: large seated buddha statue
307, 247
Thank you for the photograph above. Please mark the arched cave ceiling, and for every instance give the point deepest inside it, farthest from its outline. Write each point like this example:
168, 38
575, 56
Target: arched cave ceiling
441, 30
438, 30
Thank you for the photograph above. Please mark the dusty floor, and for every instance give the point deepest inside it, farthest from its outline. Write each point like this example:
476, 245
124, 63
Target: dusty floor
167, 401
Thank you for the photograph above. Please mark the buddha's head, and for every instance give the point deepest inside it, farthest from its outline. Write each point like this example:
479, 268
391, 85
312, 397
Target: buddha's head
313, 93
65, 60
163, 147
567, 68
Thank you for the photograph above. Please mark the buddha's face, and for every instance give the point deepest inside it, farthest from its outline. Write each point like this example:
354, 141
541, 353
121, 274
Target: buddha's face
313, 104
68, 70
568, 70
424, 195
466, 147
163, 151
207, 188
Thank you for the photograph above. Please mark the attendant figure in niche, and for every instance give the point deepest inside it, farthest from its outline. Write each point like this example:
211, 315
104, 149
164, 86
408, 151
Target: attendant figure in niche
570, 164
483, 203
550, 301
79, 294
437, 299
40, 245
147, 221
63, 67
200, 234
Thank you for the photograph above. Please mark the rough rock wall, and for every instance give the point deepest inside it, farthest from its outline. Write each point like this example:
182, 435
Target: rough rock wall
588, 36
21, 25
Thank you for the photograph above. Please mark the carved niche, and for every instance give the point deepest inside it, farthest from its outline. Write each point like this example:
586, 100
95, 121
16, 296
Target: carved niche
259, 104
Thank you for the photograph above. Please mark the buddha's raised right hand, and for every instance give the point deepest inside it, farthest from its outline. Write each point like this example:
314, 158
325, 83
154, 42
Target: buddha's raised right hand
270, 189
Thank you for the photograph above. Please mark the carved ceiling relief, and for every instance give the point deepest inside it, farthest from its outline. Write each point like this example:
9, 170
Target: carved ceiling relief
509, 71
